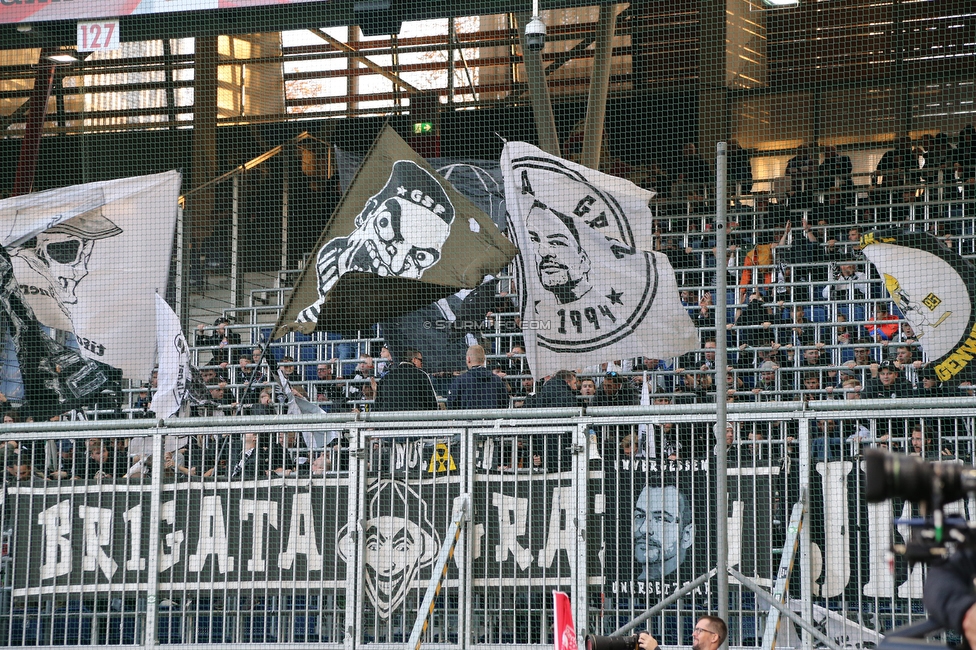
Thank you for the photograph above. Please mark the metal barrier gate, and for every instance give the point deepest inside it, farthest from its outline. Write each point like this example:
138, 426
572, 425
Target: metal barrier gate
245, 535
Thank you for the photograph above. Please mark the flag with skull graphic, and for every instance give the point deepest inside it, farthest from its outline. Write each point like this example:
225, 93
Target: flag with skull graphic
401, 239
73, 252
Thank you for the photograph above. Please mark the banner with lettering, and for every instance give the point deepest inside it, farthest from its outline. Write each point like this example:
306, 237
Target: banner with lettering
648, 527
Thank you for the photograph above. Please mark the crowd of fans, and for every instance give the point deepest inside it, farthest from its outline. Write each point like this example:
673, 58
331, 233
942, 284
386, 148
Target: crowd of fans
808, 320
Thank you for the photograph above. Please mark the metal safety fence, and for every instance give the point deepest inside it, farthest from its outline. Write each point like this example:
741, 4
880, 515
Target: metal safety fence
334, 531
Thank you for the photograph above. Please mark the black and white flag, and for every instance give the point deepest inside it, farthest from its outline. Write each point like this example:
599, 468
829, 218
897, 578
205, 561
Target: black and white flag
56, 379
934, 287
401, 239
298, 405
590, 287
90, 257
179, 382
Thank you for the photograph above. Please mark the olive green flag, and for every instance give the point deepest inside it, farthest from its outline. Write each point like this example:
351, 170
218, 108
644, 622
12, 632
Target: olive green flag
401, 239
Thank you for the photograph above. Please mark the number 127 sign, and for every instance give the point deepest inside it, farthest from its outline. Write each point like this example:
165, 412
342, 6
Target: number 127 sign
102, 35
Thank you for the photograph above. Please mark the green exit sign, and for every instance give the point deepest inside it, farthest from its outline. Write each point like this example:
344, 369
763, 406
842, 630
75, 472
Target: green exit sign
420, 128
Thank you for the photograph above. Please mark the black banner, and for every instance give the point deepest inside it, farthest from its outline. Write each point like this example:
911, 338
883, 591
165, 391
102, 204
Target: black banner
648, 527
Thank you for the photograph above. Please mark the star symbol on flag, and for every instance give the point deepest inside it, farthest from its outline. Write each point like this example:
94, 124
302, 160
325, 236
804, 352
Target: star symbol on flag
401, 191
614, 297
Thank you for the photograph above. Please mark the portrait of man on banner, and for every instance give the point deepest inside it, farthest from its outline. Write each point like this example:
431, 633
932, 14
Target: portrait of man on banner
659, 515
562, 264
591, 287
663, 530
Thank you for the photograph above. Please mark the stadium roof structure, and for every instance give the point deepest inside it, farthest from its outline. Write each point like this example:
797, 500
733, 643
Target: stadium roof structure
17, 32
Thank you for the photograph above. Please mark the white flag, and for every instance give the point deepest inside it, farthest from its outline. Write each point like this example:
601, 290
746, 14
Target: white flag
174, 361
297, 405
89, 258
590, 286
645, 432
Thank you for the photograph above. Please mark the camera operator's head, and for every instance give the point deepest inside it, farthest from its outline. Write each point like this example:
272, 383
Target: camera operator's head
663, 530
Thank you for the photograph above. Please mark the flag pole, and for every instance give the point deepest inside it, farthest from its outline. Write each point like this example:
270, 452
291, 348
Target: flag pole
250, 382
721, 365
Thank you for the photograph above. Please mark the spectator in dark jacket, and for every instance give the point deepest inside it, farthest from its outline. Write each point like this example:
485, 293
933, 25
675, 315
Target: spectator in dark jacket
406, 387
478, 388
616, 391
888, 384
222, 342
558, 392
552, 452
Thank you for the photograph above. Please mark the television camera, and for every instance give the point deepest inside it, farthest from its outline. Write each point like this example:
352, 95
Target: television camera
935, 536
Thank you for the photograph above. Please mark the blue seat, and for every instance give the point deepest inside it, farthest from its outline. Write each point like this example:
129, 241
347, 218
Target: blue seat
169, 625
210, 629
119, 630
26, 627
306, 629
259, 628
71, 625
817, 314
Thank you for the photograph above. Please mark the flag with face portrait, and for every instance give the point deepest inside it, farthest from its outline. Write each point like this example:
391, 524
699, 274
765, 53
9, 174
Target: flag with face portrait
591, 289
401, 239
89, 259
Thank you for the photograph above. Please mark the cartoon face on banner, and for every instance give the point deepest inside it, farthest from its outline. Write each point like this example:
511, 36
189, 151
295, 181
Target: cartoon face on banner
400, 233
663, 530
61, 254
400, 541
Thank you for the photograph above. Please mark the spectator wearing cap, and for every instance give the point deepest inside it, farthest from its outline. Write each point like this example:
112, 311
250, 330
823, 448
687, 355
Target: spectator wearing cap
765, 387
221, 341
889, 384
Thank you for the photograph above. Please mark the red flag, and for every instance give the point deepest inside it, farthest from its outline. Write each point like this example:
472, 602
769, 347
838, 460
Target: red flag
565, 632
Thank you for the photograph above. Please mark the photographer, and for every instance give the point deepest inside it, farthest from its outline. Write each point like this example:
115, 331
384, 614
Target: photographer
710, 633
950, 595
